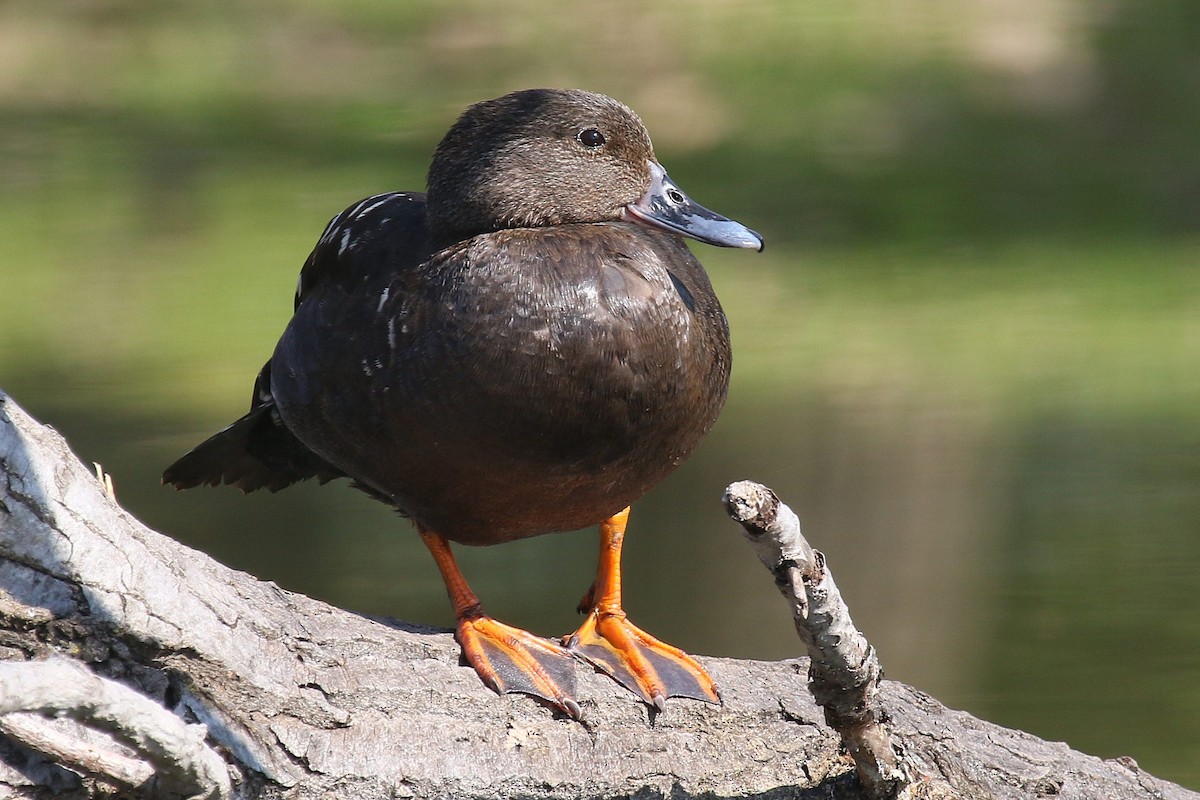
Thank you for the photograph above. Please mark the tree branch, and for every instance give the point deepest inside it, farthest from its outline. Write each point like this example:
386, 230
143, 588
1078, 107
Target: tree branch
302, 700
844, 672
184, 766
74, 746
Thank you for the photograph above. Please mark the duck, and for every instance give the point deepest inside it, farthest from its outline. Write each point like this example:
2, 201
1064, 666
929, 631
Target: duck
527, 347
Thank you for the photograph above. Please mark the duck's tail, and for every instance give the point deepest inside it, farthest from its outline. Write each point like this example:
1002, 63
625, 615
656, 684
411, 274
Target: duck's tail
256, 452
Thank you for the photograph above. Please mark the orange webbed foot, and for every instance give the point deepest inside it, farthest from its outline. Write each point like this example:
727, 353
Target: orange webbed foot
649, 668
509, 659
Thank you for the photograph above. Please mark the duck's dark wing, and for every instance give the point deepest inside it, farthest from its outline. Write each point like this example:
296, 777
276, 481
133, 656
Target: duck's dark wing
256, 452
380, 233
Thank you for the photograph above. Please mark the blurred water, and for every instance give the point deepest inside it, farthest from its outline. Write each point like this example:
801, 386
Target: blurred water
969, 358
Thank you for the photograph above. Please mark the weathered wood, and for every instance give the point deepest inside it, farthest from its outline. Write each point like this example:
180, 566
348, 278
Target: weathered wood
182, 765
305, 700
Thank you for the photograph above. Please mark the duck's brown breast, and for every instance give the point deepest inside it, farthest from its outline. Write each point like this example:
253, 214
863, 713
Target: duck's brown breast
521, 382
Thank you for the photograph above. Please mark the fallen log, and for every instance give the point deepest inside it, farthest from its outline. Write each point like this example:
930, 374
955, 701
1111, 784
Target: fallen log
253, 691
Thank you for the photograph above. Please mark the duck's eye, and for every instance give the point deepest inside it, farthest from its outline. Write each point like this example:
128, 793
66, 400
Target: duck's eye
590, 137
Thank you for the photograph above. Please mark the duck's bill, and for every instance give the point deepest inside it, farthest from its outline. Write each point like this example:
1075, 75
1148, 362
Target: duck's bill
664, 205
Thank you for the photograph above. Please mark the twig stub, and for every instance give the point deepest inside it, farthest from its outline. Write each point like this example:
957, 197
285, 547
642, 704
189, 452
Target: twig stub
752, 505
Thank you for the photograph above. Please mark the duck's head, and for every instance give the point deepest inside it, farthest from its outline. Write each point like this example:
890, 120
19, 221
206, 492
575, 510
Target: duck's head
555, 156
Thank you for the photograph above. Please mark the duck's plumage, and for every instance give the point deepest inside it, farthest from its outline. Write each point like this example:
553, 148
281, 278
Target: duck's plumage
517, 383
515, 353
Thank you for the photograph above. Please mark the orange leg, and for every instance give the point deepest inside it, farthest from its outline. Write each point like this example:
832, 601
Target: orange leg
508, 659
611, 643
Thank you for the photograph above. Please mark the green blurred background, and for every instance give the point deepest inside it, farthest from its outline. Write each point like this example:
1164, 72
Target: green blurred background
969, 357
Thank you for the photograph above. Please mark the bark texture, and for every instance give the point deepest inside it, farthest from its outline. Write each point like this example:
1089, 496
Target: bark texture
303, 700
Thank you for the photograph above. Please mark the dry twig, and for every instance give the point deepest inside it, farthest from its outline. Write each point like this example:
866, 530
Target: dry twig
844, 672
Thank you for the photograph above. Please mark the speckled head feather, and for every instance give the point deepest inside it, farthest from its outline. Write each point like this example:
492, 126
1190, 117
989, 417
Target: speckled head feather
523, 161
